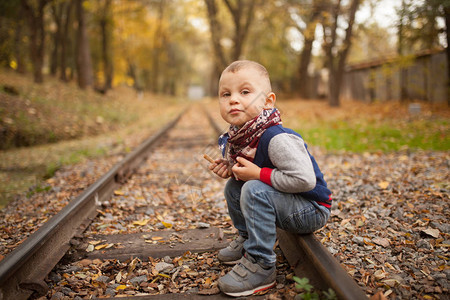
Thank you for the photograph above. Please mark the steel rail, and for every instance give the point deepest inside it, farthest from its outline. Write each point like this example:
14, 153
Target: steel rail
22, 271
309, 258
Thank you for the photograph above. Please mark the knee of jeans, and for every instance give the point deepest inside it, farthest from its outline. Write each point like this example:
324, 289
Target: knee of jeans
251, 187
249, 190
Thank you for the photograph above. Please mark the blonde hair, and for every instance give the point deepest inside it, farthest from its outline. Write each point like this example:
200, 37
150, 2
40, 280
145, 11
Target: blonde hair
242, 64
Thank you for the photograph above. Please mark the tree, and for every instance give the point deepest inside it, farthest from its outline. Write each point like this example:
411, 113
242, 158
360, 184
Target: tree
12, 30
242, 13
447, 30
336, 53
57, 13
65, 39
310, 18
215, 27
158, 41
106, 26
270, 43
34, 12
84, 62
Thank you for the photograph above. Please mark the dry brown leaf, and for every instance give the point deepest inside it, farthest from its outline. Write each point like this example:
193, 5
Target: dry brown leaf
431, 232
99, 247
383, 184
142, 222
378, 296
382, 242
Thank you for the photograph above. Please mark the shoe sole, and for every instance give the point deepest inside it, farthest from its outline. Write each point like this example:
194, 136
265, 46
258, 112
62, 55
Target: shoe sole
251, 292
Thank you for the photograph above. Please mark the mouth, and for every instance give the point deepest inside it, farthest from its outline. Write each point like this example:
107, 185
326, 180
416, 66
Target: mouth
234, 111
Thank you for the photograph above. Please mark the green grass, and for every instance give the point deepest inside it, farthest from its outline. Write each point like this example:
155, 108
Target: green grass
387, 136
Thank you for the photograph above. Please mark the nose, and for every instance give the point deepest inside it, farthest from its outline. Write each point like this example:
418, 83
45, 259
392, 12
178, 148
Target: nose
234, 99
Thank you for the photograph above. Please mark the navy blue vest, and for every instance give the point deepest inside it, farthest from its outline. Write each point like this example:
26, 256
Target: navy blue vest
320, 193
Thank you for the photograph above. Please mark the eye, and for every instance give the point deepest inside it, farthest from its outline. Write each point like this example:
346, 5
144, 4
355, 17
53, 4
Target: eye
226, 94
245, 92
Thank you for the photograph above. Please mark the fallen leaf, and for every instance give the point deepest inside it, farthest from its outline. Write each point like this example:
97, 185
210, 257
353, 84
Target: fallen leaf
167, 224
121, 287
119, 193
379, 274
133, 264
390, 282
99, 247
383, 184
142, 222
208, 281
382, 242
119, 276
431, 232
378, 296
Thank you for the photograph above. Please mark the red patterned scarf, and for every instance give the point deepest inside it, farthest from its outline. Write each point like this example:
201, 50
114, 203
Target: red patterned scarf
244, 141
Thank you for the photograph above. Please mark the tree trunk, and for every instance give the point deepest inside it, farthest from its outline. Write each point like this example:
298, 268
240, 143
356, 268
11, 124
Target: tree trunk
35, 18
342, 58
242, 13
305, 56
336, 63
400, 51
106, 28
84, 62
132, 72
158, 42
447, 31
19, 45
65, 41
330, 34
57, 12
216, 34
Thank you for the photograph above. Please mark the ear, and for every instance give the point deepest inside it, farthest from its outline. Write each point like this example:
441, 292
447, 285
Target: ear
270, 100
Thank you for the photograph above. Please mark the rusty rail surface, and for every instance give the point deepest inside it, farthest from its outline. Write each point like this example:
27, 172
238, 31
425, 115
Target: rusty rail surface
23, 271
309, 258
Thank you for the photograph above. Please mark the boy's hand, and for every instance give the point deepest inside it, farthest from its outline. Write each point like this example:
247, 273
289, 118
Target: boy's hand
220, 167
245, 170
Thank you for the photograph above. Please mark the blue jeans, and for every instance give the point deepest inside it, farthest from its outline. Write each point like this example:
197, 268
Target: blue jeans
256, 209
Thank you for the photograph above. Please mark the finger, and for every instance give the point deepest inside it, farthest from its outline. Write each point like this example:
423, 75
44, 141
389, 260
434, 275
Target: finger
237, 167
224, 174
222, 170
216, 166
242, 160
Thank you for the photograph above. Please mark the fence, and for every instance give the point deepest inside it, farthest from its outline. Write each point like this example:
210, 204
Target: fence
419, 77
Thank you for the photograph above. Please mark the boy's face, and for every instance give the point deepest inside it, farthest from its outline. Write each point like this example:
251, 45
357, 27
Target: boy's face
243, 95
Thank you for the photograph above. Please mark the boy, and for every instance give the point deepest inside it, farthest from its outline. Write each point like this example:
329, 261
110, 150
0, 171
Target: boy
273, 180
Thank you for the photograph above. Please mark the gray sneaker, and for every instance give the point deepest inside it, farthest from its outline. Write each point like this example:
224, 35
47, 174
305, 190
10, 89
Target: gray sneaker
247, 278
233, 253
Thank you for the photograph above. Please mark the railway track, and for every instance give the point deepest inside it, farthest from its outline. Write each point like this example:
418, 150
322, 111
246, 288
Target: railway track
152, 225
